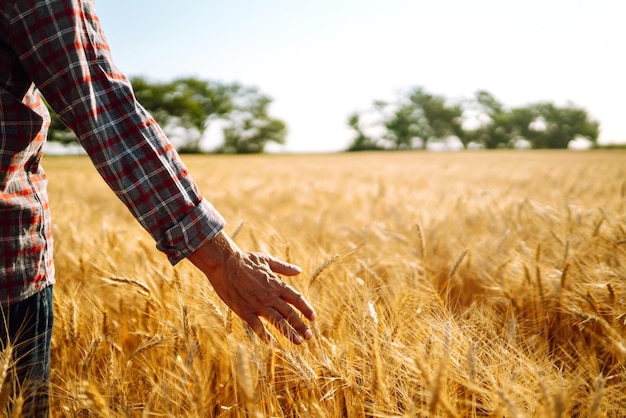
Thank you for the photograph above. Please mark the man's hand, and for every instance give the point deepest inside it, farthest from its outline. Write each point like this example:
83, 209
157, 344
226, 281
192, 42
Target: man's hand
249, 285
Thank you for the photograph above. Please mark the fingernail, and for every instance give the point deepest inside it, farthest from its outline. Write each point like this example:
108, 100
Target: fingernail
308, 334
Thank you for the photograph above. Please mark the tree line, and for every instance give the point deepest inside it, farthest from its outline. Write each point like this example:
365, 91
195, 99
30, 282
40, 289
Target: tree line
187, 107
419, 118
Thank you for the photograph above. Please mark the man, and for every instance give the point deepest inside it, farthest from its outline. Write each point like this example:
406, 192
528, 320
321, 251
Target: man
57, 47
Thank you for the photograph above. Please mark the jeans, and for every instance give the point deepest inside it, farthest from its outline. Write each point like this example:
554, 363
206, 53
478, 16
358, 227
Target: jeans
27, 326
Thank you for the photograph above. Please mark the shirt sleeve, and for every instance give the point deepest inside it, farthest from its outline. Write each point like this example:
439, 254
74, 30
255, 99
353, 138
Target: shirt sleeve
62, 48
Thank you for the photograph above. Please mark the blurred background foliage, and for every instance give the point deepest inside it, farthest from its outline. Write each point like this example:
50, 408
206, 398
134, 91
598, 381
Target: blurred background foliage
418, 119
236, 118
186, 108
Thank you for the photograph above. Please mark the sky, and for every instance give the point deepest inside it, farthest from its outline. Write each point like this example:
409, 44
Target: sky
322, 60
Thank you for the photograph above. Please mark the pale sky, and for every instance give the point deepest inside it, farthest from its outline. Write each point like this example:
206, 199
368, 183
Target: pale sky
321, 60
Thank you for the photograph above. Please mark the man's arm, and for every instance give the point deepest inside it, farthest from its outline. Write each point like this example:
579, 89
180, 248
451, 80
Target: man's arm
63, 50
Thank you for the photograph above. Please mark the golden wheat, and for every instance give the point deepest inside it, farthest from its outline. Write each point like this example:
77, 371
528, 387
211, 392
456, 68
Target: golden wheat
453, 284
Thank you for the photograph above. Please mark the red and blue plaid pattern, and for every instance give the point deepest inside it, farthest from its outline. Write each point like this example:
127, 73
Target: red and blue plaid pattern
57, 47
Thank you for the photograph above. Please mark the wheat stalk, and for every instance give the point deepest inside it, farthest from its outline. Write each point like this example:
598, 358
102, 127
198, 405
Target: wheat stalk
141, 286
237, 230
6, 385
596, 229
94, 400
322, 267
509, 404
594, 409
147, 345
458, 262
244, 376
17, 406
90, 353
421, 249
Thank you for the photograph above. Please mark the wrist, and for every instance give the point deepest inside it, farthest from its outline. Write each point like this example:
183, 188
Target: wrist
213, 253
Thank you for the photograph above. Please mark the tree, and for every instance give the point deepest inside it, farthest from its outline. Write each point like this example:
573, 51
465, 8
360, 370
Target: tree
403, 128
543, 125
185, 108
362, 142
416, 118
499, 126
248, 127
185, 103
435, 117
485, 109
560, 125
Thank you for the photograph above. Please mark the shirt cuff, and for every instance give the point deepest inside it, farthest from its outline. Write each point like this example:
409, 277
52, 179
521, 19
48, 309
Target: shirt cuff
197, 227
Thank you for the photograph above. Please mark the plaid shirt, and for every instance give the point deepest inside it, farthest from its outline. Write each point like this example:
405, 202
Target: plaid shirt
57, 47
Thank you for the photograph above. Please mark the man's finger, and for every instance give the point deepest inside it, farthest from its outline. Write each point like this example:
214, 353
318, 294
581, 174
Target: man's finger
280, 322
294, 298
282, 267
293, 319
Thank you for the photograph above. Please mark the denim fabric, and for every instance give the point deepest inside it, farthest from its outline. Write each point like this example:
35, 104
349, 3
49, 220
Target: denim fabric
27, 326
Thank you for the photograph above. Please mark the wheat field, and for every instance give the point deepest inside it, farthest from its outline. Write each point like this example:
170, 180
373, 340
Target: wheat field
471, 284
